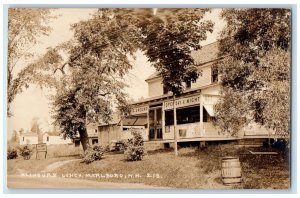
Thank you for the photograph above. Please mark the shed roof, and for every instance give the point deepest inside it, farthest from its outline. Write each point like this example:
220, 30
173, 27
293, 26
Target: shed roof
115, 120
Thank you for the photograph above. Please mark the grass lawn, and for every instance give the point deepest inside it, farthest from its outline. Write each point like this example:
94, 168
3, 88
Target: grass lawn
19, 165
193, 168
265, 171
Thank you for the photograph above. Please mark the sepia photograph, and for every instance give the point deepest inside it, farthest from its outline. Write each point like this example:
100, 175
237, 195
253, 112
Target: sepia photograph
148, 98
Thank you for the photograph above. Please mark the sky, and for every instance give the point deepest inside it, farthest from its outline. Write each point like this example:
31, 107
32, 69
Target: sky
34, 102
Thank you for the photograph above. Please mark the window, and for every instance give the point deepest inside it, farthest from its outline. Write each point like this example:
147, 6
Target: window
188, 115
77, 143
96, 131
95, 141
184, 115
188, 85
169, 118
47, 138
165, 90
214, 74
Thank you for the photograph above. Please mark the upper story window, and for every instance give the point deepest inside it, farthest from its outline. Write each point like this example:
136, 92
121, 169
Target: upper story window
165, 90
214, 74
188, 84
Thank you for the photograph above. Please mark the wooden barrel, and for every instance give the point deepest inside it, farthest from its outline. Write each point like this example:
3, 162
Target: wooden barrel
231, 171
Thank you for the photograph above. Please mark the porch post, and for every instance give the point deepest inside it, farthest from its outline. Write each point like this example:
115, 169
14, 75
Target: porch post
163, 120
98, 134
148, 124
201, 115
121, 129
155, 124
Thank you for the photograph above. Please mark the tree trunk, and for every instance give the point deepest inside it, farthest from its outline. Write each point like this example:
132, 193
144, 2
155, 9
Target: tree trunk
84, 139
175, 123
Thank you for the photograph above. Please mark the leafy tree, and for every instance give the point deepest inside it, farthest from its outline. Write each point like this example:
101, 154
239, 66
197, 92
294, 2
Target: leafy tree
98, 59
21, 131
35, 126
168, 38
15, 137
54, 132
93, 83
255, 75
25, 26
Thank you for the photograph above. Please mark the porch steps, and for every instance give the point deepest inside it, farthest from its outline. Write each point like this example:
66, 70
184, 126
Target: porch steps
151, 146
255, 142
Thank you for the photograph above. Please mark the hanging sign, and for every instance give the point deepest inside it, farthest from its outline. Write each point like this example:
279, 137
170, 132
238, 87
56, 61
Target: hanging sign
139, 110
41, 148
182, 102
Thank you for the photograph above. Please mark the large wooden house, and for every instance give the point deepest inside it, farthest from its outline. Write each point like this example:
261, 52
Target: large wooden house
153, 116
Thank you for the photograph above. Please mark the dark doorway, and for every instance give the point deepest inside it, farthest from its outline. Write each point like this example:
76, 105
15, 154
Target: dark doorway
155, 120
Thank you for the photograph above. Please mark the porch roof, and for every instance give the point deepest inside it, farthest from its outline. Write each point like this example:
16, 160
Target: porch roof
169, 95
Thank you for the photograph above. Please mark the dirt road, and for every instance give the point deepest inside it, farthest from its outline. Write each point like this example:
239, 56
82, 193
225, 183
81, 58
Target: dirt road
18, 181
22, 181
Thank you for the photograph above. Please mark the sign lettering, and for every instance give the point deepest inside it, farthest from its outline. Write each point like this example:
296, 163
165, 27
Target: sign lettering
139, 110
41, 148
182, 102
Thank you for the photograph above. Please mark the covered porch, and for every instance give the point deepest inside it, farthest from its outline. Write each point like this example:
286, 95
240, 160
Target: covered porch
194, 118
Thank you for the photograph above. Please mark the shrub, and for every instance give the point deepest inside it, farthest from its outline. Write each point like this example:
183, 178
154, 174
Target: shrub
134, 147
25, 152
107, 148
120, 145
12, 153
92, 154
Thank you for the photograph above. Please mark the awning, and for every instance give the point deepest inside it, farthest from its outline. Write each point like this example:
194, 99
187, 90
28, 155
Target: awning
209, 109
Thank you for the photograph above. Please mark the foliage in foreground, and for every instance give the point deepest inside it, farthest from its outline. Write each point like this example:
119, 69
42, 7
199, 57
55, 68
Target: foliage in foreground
256, 76
12, 153
192, 169
25, 152
134, 147
92, 154
25, 27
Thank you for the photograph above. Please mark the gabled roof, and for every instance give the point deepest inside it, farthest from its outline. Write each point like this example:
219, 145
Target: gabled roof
206, 54
154, 75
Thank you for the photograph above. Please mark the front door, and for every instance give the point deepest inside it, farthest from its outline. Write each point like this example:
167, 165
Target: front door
155, 119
